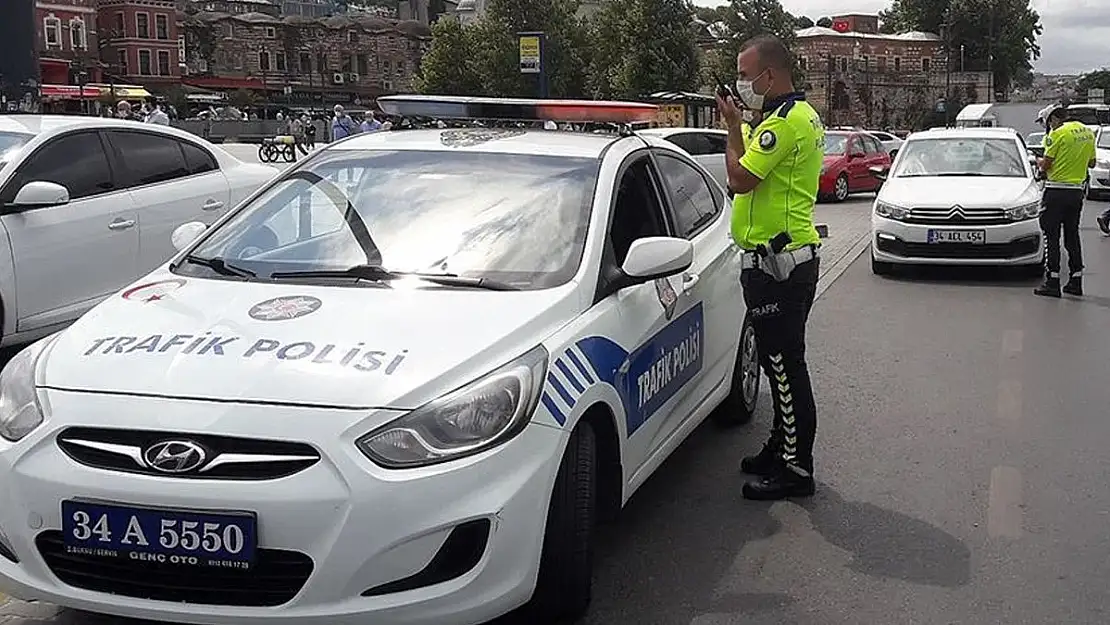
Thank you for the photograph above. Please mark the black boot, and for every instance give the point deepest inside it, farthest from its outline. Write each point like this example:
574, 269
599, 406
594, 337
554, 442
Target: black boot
766, 461
1050, 288
1074, 286
782, 483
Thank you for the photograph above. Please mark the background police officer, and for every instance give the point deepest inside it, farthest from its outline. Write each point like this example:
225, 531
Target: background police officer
774, 179
1069, 150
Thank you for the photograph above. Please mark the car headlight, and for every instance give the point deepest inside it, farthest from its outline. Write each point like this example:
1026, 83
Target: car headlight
1025, 211
483, 414
890, 211
20, 412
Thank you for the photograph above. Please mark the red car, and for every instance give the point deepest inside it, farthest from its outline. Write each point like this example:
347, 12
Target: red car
849, 155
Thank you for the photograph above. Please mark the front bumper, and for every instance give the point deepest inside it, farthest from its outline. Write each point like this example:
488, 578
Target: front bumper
340, 527
1016, 243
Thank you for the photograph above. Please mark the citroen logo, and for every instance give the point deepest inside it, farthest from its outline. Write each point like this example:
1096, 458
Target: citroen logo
175, 456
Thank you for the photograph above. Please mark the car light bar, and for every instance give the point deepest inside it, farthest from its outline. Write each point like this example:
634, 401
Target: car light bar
462, 107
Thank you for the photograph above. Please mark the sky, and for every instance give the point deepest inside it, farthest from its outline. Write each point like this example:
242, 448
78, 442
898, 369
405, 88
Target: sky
1076, 35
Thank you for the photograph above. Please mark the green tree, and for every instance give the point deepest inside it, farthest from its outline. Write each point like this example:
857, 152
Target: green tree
1006, 30
643, 46
825, 22
742, 20
802, 21
1098, 79
444, 69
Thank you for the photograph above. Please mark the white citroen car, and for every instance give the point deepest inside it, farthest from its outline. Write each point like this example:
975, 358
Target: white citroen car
958, 197
87, 205
1098, 186
398, 385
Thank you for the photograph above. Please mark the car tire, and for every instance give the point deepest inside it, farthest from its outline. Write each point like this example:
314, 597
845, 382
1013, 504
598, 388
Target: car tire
738, 408
840, 188
880, 268
564, 585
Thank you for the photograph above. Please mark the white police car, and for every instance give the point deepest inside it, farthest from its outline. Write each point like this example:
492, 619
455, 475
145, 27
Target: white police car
399, 384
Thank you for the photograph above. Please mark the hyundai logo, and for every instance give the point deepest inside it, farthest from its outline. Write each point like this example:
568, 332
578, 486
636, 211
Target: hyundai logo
175, 456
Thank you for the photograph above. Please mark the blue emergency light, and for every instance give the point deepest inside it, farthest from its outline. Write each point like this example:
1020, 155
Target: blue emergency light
463, 107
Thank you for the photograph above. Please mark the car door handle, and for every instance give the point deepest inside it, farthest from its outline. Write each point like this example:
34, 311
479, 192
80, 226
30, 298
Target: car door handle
121, 224
212, 205
688, 281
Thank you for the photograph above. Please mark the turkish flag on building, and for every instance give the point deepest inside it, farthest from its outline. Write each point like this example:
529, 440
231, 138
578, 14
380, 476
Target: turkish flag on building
842, 25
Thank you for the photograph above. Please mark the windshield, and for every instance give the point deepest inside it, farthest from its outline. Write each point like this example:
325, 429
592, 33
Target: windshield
835, 143
517, 219
1034, 138
1086, 115
961, 156
10, 142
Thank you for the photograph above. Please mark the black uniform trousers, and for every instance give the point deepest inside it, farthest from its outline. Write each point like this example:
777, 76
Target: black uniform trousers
1061, 213
779, 312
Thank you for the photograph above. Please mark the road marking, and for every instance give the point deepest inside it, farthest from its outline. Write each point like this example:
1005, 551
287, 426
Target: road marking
1004, 514
840, 265
1009, 400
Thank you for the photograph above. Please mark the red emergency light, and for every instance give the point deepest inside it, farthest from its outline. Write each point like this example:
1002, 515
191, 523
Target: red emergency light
463, 107
842, 25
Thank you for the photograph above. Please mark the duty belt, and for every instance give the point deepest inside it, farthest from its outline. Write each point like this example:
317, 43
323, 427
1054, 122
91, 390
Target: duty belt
1051, 184
751, 260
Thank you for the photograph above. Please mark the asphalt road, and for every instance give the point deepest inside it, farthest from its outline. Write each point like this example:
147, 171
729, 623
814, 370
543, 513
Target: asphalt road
960, 466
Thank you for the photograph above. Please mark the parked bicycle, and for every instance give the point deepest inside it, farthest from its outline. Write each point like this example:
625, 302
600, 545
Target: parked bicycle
274, 148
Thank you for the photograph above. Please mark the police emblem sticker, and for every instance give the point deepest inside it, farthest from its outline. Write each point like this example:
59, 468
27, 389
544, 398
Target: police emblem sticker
469, 137
767, 139
284, 308
152, 291
667, 296
1047, 142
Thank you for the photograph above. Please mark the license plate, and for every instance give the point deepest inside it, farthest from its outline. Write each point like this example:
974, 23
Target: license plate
200, 539
957, 236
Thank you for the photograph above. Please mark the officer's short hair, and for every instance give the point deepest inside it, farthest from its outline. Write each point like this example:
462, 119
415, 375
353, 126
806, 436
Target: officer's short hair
773, 53
1059, 113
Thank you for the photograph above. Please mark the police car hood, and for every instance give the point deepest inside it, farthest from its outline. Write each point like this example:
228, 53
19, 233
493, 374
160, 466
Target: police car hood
966, 191
293, 343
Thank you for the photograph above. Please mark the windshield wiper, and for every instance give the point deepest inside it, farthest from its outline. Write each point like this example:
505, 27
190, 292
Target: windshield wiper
378, 273
220, 266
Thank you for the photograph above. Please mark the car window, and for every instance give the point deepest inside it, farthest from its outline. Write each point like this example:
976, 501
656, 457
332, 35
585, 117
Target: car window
882, 136
876, 147
691, 196
149, 158
692, 142
638, 211
717, 142
1104, 139
77, 161
520, 219
961, 156
10, 143
835, 143
197, 159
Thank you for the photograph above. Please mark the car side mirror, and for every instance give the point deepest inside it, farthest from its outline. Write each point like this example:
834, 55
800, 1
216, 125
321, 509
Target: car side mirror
656, 257
186, 233
878, 172
40, 193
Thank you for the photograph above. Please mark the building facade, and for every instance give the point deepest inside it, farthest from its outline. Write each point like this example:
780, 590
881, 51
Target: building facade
857, 76
303, 62
139, 41
19, 66
66, 41
309, 8
236, 7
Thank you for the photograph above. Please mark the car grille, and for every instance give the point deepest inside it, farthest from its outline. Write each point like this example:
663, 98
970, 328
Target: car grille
1017, 248
952, 216
227, 458
275, 578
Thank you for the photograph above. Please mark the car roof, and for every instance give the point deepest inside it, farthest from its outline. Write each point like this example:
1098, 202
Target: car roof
987, 132
40, 124
668, 131
484, 140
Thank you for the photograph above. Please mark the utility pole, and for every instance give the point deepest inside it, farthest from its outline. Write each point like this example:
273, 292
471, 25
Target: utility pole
947, 65
990, 52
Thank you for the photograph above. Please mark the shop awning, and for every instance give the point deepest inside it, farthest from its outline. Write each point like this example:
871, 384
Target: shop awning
71, 92
121, 91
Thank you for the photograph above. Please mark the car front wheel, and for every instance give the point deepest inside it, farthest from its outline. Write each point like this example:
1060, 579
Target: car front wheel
739, 406
840, 188
565, 581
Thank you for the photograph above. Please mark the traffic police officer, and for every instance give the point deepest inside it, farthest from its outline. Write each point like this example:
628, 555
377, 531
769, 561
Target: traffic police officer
774, 181
1069, 151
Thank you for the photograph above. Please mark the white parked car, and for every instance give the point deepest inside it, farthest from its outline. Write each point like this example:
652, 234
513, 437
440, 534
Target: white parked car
1098, 185
399, 384
890, 142
87, 205
958, 196
706, 145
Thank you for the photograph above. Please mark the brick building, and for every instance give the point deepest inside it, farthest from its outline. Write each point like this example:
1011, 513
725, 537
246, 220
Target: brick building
66, 36
299, 61
856, 75
236, 7
140, 41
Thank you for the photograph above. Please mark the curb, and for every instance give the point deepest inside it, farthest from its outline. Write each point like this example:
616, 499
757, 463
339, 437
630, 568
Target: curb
840, 265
